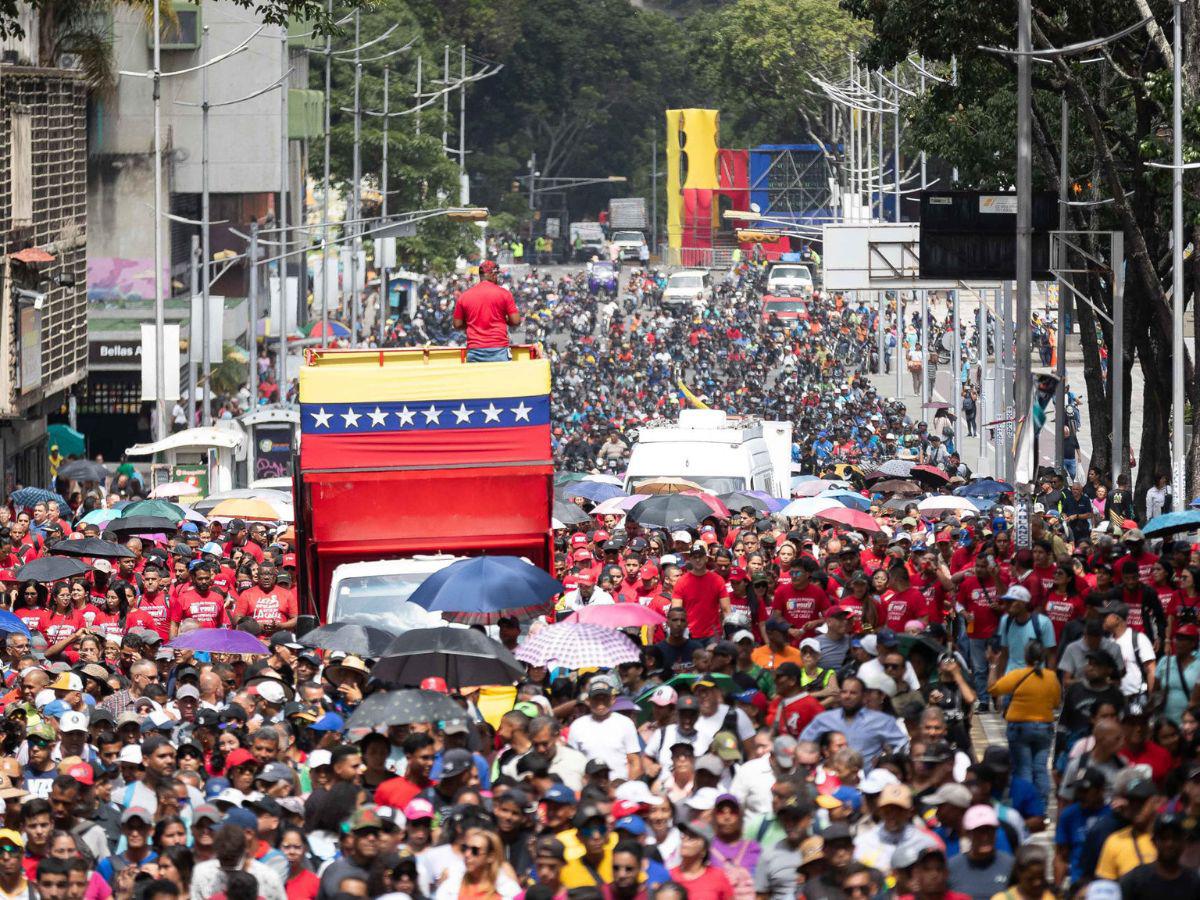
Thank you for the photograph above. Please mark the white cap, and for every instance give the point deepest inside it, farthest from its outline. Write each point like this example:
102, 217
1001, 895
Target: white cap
319, 758
703, 799
742, 635
73, 721
876, 780
230, 795
130, 753
270, 691
877, 681
44, 697
682, 535
635, 792
811, 644
870, 644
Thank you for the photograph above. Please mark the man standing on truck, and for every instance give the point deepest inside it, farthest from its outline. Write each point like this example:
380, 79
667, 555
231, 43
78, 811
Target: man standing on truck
486, 311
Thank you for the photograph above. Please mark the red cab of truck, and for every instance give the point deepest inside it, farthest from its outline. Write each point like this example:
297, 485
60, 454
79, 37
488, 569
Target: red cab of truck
414, 451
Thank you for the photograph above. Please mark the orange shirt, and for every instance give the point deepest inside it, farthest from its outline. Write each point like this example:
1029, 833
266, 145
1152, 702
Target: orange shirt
767, 658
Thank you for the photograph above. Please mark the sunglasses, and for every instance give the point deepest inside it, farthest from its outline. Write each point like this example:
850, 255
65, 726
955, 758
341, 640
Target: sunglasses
39, 742
593, 830
10, 850
472, 850
857, 890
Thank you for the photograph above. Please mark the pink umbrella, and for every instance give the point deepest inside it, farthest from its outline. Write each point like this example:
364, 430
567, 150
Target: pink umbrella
712, 501
617, 506
851, 518
618, 615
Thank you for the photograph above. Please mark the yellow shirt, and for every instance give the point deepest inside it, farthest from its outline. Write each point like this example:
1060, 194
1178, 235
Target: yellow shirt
1034, 699
576, 874
1121, 854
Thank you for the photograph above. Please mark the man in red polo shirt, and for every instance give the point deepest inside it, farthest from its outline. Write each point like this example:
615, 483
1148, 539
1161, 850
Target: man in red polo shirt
486, 311
800, 602
271, 606
702, 594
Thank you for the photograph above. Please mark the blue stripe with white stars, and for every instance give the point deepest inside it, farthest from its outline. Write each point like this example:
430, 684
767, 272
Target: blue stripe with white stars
425, 415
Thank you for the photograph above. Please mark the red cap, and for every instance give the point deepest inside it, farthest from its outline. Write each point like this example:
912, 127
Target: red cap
435, 683
585, 577
82, 772
945, 535
289, 560
737, 573
240, 757
578, 539
488, 266
623, 808
1191, 631
600, 536
581, 554
708, 537
648, 572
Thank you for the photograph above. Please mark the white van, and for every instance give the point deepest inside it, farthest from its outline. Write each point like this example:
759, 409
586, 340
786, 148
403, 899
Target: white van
683, 288
721, 453
376, 592
789, 280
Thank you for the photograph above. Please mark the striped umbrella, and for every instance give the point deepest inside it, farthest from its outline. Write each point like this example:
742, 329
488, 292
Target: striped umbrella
577, 645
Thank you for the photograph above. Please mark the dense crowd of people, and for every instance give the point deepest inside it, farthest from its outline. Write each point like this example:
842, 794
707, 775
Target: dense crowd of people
808, 711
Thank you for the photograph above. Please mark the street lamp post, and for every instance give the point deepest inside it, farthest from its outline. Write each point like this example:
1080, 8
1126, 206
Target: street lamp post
1178, 458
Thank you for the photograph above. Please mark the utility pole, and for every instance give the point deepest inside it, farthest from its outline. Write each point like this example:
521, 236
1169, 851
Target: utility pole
896, 141
356, 212
1064, 293
281, 369
252, 301
325, 192
462, 114
1024, 373
194, 284
384, 303
445, 97
654, 191
160, 324
1178, 451
205, 247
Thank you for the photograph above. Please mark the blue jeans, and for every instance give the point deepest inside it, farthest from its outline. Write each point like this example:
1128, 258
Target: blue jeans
979, 667
1030, 744
488, 354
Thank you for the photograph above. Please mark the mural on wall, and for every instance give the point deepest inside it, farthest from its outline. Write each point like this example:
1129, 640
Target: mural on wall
113, 278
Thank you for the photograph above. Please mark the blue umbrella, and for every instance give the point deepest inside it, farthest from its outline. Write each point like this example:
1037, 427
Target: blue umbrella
595, 491
986, 487
1188, 520
848, 499
10, 624
28, 496
485, 589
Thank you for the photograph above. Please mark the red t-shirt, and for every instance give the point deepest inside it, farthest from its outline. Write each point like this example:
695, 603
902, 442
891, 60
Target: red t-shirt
793, 715
107, 624
396, 792
34, 619
903, 607
1154, 756
1045, 578
1145, 563
1061, 609
982, 601
712, 885
153, 612
701, 599
268, 609
60, 626
484, 309
799, 606
208, 610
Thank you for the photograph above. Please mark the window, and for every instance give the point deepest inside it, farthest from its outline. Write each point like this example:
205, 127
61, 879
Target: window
181, 34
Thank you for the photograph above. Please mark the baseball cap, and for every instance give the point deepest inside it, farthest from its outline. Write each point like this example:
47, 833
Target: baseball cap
1134, 534
130, 754
275, 772
561, 794
725, 746
67, 681
980, 816
241, 818
550, 848
703, 800
137, 812
896, 795
8, 836
913, 848
812, 849
319, 758
1189, 630
1016, 592
745, 635
418, 808
783, 748
952, 793
206, 811
635, 792
1115, 608
697, 829
687, 703
455, 762
365, 817
328, 722
710, 763
600, 686
876, 780
78, 769
73, 721
634, 825
240, 757
665, 695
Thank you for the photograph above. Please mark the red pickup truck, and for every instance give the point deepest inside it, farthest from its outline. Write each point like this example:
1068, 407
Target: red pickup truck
413, 451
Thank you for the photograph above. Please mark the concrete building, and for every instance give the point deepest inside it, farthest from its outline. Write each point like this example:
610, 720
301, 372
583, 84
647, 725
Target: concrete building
43, 238
244, 156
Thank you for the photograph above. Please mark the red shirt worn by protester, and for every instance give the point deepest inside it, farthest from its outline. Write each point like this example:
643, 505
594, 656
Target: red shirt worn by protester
902, 607
981, 601
269, 608
397, 792
794, 713
154, 612
799, 606
1045, 578
712, 884
1061, 609
34, 619
1145, 564
207, 609
60, 626
701, 598
484, 310
1153, 755
1028, 580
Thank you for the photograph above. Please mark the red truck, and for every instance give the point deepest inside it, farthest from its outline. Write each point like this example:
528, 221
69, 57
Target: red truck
416, 457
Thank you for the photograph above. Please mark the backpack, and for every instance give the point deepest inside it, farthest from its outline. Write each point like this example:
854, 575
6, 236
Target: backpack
1033, 620
740, 878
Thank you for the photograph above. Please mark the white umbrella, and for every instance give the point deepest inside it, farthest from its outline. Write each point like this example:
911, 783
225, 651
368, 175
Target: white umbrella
943, 503
807, 507
604, 479
174, 489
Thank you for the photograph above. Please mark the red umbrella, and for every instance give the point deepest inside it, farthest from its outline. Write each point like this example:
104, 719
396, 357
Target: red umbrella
929, 473
712, 501
851, 518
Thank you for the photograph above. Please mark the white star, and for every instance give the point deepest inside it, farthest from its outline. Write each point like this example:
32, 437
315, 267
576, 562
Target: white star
322, 418
379, 417
405, 416
491, 413
350, 417
432, 415
462, 414
522, 411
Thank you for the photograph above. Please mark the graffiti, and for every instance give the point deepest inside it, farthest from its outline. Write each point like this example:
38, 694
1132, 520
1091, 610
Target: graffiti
270, 468
112, 278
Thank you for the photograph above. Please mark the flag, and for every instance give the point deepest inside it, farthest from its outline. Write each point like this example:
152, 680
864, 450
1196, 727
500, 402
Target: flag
408, 412
1041, 414
692, 400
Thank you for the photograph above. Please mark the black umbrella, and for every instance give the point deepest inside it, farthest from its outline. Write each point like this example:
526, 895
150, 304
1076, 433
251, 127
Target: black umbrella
671, 511
570, 513
464, 657
84, 470
51, 568
141, 523
738, 500
350, 637
404, 708
93, 547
